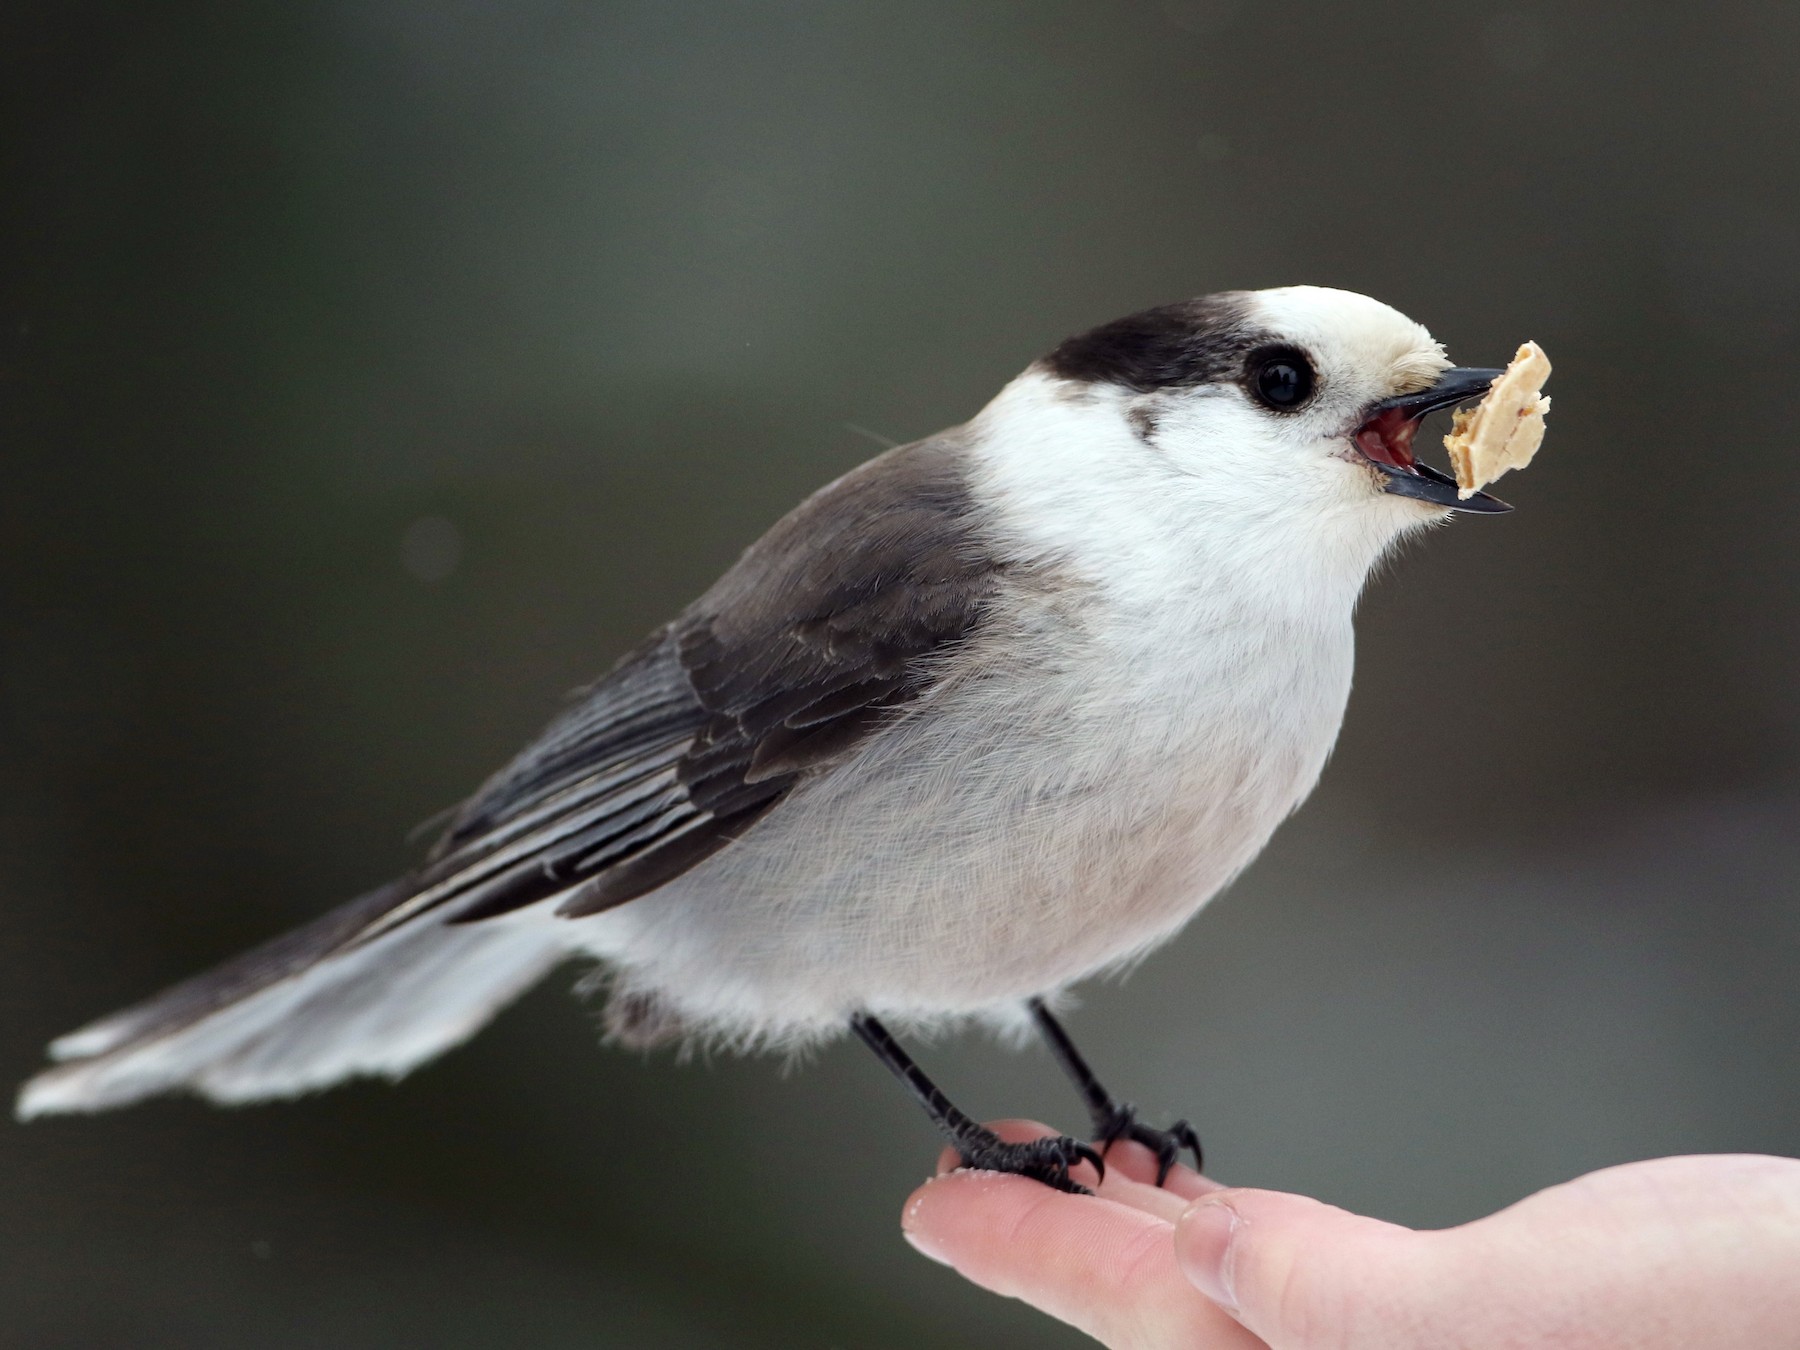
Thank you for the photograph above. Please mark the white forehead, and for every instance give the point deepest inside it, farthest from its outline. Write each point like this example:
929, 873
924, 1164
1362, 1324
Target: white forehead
1353, 335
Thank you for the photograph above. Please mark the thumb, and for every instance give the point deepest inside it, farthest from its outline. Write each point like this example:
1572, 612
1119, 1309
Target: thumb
1299, 1273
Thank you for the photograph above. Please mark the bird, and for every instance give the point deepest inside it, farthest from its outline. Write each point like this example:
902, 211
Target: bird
993, 713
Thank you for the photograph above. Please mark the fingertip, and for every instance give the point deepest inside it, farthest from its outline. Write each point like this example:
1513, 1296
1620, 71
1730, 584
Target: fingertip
1104, 1266
960, 1209
918, 1230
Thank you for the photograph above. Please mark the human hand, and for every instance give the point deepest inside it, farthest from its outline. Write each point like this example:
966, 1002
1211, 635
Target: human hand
1677, 1252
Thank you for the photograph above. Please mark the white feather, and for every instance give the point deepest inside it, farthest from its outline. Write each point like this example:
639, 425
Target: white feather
380, 1008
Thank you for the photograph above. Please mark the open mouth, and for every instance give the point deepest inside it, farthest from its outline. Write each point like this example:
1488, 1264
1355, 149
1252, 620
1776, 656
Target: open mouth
1386, 436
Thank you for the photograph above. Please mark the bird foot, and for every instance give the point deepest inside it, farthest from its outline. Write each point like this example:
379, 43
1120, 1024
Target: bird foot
1046, 1160
1166, 1144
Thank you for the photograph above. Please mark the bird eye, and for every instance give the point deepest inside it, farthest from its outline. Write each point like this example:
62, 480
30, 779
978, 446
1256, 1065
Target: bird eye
1280, 380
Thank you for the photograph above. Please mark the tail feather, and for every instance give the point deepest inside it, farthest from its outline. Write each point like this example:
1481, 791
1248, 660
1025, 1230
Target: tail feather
305, 1011
250, 972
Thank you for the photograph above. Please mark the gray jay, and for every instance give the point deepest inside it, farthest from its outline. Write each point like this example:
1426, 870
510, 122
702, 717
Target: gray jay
992, 713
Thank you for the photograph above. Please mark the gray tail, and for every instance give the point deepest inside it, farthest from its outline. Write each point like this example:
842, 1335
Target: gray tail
309, 1009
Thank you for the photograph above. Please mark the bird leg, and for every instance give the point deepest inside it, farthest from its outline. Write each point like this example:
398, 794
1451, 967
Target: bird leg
1113, 1119
1045, 1160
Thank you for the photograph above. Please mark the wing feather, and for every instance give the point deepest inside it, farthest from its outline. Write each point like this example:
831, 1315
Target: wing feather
824, 632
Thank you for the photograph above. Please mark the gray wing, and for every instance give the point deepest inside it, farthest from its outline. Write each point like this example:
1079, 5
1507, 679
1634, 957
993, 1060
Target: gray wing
826, 628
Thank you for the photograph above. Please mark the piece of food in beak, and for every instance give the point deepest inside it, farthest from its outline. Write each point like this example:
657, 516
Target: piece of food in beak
1504, 430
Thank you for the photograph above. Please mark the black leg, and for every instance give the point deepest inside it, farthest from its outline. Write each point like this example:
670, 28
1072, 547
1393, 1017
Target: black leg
1113, 1119
1045, 1160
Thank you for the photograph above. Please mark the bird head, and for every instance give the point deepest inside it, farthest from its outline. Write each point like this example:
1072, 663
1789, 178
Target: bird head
1245, 430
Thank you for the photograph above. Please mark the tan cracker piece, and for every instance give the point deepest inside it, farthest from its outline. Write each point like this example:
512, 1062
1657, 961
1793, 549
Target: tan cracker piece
1504, 430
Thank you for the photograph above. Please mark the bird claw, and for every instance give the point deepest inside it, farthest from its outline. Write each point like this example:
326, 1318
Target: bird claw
1166, 1144
1044, 1160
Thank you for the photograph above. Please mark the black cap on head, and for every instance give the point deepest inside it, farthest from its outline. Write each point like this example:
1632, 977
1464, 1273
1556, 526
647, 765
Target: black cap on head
1174, 346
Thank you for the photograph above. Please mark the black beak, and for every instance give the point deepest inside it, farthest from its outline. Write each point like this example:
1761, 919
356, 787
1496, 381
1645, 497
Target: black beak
1459, 384
1386, 438
1429, 485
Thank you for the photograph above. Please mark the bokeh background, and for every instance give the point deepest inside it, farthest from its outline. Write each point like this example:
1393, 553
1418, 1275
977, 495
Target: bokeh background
373, 373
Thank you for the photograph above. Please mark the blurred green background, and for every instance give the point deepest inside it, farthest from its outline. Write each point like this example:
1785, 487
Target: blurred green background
371, 374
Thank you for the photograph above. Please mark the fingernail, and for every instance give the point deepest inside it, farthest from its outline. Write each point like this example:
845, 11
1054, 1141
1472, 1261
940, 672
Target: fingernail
923, 1245
1203, 1249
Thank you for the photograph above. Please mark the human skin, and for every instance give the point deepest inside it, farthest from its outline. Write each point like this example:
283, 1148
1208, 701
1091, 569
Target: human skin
1690, 1252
